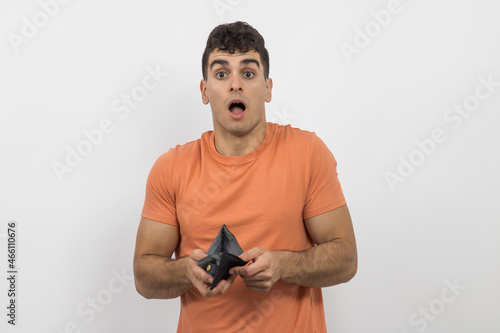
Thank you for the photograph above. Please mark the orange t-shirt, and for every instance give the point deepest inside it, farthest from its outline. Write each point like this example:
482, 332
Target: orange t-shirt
263, 197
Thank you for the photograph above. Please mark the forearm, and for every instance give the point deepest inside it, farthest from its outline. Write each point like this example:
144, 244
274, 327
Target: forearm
324, 265
161, 277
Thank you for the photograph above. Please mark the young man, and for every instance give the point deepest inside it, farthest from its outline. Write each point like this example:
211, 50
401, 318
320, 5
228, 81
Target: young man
275, 187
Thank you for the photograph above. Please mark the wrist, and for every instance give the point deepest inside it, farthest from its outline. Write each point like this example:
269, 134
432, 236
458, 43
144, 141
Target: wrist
293, 266
187, 269
282, 264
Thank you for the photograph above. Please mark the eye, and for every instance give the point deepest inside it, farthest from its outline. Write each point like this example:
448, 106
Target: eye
248, 75
220, 75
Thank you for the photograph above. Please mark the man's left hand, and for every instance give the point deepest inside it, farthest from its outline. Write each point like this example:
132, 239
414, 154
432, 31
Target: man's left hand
262, 273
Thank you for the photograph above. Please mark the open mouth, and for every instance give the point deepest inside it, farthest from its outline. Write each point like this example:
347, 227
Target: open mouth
237, 107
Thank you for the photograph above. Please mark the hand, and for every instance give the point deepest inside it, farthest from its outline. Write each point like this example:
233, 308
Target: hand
201, 279
262, 273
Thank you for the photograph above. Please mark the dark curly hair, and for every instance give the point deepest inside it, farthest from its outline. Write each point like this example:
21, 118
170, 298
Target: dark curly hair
235, 37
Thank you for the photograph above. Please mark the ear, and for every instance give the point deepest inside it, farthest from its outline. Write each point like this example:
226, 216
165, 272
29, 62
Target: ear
269, 88
203, 89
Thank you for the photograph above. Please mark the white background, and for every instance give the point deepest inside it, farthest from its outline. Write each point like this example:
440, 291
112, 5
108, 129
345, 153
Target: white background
439, 226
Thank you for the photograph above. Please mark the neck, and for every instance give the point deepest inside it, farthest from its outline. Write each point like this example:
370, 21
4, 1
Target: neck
228, 144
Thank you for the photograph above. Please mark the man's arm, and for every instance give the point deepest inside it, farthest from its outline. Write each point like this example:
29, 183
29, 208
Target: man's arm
157, 275
332, 261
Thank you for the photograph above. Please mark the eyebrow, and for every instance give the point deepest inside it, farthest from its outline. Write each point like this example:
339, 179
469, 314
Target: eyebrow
242, 62
250, 61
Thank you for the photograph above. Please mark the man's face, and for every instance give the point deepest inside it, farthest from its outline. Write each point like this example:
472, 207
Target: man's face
237, 91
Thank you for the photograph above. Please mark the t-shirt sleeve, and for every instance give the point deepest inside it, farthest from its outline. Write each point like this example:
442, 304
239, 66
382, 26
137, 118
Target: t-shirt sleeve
324, 192
159, 203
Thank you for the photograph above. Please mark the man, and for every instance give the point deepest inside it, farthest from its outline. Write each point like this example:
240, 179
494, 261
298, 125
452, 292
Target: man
275, 187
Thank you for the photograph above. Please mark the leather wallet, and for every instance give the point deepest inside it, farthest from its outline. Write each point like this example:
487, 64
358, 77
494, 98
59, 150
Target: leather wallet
222, 256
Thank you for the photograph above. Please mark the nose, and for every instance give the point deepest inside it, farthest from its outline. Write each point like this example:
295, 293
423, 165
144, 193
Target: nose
236, 84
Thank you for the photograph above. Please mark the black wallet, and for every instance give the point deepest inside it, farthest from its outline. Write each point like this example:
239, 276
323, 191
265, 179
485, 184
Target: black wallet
222, 256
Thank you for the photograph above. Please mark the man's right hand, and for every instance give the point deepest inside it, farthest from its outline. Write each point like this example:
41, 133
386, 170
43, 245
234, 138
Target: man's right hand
201, 279
158, 276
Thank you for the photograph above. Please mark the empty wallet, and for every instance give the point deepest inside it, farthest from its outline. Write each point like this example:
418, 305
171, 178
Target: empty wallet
222, 256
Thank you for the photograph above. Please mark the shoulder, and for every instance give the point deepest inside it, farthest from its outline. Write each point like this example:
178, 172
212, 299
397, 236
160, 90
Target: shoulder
289, 133
293, 137
302, 146
181, 153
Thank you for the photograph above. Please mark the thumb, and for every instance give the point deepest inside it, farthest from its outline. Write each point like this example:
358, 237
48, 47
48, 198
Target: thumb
198, 254
252, 254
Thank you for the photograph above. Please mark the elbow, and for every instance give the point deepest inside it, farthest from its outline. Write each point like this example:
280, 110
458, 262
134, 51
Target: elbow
150, 293
139, 285
351, 272
352, 268
141, 290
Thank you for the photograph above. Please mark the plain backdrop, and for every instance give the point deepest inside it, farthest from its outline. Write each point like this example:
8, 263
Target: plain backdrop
374, 86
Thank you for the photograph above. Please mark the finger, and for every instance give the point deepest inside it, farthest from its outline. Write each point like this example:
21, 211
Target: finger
224, 285
228, 284
198, 254
258, 283
203, 276
219, 288
204, 289
203, 282
251, 270
199, 273
237, 270
252, 254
